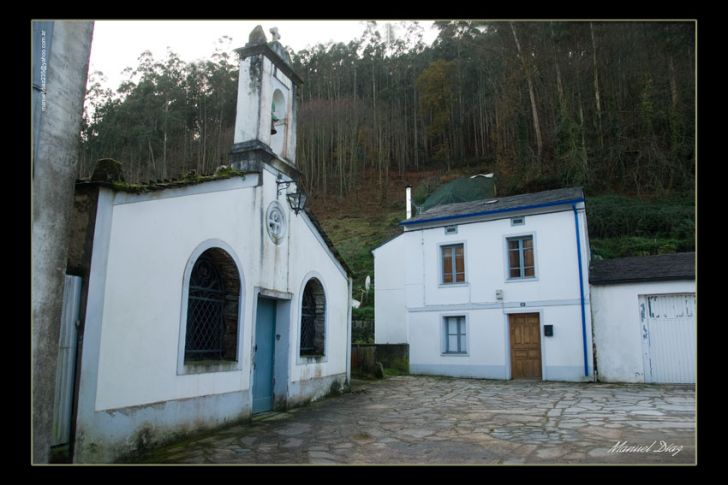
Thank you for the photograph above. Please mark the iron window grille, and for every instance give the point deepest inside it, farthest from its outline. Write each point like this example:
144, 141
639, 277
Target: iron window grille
308, 323
205, 312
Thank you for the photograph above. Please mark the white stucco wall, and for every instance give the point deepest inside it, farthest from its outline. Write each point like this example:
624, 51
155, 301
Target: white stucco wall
248, 103
486, 263
308, 260
151, 240
411, 264
617, 326
488, 343
390, 310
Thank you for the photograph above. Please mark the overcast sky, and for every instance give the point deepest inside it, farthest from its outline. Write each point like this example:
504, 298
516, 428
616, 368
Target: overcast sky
117, 44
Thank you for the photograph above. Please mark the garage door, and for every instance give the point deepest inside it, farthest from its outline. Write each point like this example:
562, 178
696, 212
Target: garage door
668, 337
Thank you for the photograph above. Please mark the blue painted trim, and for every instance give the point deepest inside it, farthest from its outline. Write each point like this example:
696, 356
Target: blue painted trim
497, 211
581, 289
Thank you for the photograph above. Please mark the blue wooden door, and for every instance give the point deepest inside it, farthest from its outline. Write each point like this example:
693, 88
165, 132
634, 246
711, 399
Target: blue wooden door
265, 324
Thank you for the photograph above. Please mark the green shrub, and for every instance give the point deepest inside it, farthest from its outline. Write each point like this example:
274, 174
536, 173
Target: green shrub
362, 313
618, 216
620, 247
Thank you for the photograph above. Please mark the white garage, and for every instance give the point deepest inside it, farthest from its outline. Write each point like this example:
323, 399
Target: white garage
668, 323
643, 314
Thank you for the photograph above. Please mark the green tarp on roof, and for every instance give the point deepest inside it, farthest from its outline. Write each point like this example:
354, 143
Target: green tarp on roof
461, 190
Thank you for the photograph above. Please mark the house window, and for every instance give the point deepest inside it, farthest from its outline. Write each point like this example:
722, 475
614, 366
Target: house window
313, 319
451, 230
453, 264
520, 257
518, 221
455, 335
212, 308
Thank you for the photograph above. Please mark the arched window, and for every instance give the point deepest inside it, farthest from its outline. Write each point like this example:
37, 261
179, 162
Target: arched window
212, 308
278, 122
313, 319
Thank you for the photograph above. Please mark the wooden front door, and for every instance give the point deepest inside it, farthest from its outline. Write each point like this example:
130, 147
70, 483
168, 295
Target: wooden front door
525, 345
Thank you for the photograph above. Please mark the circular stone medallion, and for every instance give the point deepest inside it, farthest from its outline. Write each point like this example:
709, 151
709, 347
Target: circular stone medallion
275, 222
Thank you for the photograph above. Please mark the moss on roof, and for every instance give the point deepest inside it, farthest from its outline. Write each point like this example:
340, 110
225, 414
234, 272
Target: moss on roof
190, 178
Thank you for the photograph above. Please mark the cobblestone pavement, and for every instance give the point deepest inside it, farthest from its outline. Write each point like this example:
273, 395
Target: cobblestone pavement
434, 420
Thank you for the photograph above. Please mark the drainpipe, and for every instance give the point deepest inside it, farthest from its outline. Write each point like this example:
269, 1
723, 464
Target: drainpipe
581, 290
350, 284
408, 198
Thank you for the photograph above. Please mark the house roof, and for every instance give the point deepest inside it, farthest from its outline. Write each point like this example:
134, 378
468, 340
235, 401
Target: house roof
485, 207
663, 267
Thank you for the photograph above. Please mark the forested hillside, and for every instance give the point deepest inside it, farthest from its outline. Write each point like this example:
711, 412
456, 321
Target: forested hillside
609, 105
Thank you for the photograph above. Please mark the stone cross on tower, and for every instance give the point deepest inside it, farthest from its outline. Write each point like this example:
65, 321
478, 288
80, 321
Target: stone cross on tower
274, 34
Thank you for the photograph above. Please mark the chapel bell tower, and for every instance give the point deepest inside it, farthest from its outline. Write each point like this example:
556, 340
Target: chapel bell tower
265, 120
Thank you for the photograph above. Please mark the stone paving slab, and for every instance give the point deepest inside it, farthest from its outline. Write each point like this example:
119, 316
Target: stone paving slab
438, 420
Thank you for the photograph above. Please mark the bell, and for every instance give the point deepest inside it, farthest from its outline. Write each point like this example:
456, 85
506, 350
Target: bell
273, 130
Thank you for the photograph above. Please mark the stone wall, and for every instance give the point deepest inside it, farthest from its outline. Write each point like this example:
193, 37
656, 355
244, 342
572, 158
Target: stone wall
362, 331
364, 357
64, 56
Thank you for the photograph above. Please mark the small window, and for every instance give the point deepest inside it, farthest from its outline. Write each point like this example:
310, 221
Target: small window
520, 257
453, 264
518, 221
451, 230
455, 335
313, 319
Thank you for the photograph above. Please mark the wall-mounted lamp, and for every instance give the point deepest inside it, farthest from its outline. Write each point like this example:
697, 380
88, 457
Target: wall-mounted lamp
297, 200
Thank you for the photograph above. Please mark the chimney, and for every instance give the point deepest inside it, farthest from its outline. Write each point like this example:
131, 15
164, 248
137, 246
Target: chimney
408, 197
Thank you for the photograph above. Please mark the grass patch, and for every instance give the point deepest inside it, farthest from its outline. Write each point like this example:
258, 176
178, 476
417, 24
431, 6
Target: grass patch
355, 238
392, 372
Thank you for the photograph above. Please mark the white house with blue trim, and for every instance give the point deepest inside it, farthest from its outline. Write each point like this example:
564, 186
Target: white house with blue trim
205, 300
494, 288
